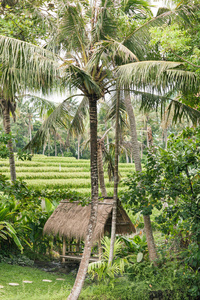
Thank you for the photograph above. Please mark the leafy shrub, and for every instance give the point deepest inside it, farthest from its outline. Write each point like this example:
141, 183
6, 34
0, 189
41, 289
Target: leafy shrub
101, 269
21, 260
27, 215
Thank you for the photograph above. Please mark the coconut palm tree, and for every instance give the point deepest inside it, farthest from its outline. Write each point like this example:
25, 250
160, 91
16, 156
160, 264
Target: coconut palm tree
17, 61
90, 70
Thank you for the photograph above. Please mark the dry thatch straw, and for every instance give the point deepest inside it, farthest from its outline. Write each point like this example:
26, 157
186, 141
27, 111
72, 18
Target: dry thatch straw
70, 220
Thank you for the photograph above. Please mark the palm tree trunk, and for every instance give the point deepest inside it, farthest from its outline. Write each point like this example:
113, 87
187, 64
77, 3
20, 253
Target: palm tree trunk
150, 238
55, 145
61, 149
126, 153
107, 141
138, 167
100, 169
6, 122
116, 180
44, 147
49, 143
29, 128
79, 141
75, 292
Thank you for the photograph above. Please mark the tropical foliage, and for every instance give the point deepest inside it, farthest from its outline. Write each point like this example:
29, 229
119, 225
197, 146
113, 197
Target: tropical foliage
102, 269
91, 50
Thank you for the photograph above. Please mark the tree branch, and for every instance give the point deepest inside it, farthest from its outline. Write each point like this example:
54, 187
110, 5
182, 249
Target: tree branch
196, 66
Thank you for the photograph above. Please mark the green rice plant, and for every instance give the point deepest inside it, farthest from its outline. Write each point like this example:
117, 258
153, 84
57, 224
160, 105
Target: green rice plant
53, 158
60, 173
67, 183
29, 169
49, 172
58, 183
50, 175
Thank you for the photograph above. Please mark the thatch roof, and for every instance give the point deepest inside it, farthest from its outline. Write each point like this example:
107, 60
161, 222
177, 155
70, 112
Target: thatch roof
70, 220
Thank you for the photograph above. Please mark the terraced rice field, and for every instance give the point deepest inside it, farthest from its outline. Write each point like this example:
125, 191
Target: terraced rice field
60, 172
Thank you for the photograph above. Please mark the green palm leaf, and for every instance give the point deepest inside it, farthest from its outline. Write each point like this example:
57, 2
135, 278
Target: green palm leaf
23, 65
157, 75
60, 117
76, 77
41, 105
77, 124
151, 102
73, 29
138, 41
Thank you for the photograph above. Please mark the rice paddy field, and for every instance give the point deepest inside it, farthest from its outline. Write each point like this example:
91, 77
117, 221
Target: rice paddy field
44, 172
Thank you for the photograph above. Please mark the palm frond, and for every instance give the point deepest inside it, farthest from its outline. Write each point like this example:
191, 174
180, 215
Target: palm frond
77, 124
158, 75
76, 77
138, 41
109, 161
118, 49
73, 33
40, 104
169, 106
122, 109
180, 110
23, 65
105, 24
60, 117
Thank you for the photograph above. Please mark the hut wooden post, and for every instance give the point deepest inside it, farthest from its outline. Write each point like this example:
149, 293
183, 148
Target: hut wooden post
100, 249
64, 249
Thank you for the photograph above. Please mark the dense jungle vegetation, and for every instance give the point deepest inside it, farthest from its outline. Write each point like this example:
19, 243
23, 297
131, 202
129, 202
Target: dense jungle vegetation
97, 99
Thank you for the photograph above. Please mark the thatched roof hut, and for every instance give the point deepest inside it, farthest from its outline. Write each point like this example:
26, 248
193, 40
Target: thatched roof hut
70, 220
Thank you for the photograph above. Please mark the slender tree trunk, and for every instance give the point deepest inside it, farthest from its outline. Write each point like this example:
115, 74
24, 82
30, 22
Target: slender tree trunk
149, 137
107, 141
127, 159
138, 167
116, 180
79, 141
150, 238
100, 168
49, 143
44, 147
29, 128
94, 203
6, 122
55, 145
134, 140
61, 149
